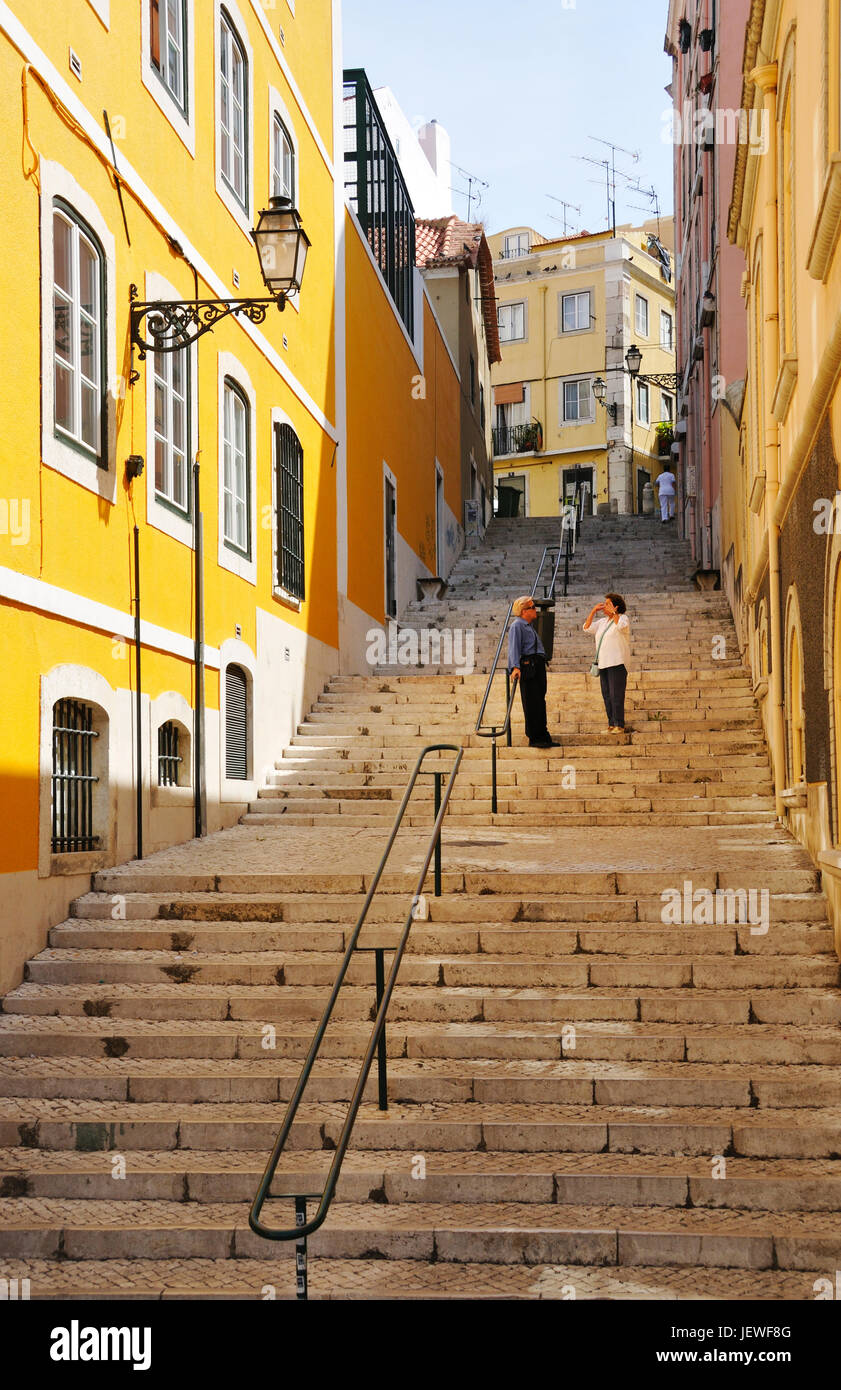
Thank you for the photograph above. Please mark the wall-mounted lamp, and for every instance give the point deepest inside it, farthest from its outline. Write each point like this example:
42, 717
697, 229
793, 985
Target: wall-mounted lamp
134, 466
600, 393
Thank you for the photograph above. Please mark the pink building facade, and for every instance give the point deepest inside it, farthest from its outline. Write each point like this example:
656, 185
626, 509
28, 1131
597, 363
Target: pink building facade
705, 39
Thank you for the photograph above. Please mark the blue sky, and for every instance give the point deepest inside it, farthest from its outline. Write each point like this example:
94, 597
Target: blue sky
520, 85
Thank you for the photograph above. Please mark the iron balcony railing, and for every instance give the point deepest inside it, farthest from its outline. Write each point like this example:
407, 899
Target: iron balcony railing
552, 556
518, 439
376, 1042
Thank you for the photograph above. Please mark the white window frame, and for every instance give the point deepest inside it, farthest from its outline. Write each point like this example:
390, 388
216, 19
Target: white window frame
82, 386
670, 413
642, 303
279, 111
229, 367
183, 124
643, 395
158, 514
242, 212
576, 295
667, 344
518, 237
566, 423
57, 452
513, 304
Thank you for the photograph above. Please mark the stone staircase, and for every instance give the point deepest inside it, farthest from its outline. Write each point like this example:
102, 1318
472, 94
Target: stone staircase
608, 1076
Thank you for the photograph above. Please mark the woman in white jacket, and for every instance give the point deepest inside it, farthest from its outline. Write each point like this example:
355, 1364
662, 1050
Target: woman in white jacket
613, 648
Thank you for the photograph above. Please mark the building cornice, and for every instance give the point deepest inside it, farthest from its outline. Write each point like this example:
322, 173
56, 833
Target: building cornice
753, 35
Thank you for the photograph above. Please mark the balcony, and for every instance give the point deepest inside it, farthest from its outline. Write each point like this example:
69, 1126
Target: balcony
518, 439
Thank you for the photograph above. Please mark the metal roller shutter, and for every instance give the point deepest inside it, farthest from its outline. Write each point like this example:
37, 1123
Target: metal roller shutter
236, 724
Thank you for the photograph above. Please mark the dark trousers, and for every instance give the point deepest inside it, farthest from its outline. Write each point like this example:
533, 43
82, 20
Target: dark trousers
533, 696
613, 680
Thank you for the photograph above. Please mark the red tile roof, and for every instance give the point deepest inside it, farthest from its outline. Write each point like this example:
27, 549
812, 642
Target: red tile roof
447, 241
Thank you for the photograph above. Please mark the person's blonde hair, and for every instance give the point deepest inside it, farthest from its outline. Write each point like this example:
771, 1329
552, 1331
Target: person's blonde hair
520, 603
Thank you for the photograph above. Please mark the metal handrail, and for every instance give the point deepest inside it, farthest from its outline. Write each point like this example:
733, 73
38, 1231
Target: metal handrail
299, 1232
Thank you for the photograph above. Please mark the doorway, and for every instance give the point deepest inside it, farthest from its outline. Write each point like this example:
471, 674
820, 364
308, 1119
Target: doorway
572, 479
511, 492
643, 477
390, 549
439, 522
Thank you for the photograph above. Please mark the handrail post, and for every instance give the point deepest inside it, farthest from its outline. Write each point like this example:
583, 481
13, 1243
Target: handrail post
301, 1280
438, 777
494, 805
507, 703
566, 573
382, 1063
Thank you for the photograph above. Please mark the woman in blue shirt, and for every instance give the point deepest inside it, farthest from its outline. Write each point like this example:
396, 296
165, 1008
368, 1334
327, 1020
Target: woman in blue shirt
527, 661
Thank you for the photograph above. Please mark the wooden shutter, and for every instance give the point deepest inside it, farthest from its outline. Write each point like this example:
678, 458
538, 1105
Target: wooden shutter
155, 32
236, 724
289, 493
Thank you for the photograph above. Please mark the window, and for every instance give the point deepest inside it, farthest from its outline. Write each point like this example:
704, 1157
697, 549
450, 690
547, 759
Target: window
283, 162
575, 312
73, 778
169, 759
517, 245
642, 316
482, 414
167, 47
172, 429
472, 379
289, 501
667, 337
236, 508
578, 400
236, 724
233, 115
643, 404
512, 322
668, 406
79, 344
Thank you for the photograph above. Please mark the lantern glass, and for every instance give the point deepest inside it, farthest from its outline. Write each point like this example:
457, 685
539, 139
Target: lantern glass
282, 246
633, 358
599, 390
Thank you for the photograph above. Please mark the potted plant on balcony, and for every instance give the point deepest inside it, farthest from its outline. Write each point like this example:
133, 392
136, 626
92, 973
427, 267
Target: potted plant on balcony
532, 438
665, 437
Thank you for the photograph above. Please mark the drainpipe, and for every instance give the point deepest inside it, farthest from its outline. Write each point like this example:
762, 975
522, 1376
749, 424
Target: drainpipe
765, 79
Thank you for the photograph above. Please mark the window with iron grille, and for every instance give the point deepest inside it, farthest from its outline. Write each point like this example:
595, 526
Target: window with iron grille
73, 778
169, 759
167, 46
289, 500
378, 194
79, 336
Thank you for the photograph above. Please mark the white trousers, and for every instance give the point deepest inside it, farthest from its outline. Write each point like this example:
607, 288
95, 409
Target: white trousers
667, 506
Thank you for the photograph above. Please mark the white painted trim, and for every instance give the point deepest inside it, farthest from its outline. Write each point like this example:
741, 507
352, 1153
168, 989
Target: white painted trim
57, 182
184, 126
243, 216
102, 9
416, 350
233, 652
75, 608
340, 314
230, 366
69, 681
160, 516
389, 476
32, 54
280, 417
259, 9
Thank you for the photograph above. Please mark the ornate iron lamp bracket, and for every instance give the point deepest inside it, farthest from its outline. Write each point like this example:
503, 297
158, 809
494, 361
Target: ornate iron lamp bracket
667, 379
168, 325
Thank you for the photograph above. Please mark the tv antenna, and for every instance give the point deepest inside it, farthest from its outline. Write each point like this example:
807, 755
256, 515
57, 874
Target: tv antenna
565, 205
468, 192
609, 166
653, 199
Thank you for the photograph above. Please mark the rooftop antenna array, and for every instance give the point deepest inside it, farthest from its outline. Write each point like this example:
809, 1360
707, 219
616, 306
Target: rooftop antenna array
468, 192
653, 199
565, 206
609, 166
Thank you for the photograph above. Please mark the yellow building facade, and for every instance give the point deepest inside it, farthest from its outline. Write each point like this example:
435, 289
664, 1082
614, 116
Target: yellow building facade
569, 310
143, 141
783, 520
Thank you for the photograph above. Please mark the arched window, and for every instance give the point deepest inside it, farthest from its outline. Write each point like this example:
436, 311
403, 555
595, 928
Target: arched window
79, 339
236, 478
173, 769
283, 162
168, 47
796, 712
236, 724
233, 111
289, 495
74, 778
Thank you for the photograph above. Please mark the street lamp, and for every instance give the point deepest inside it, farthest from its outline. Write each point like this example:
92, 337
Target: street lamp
633, 360
282, 246
600, 393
